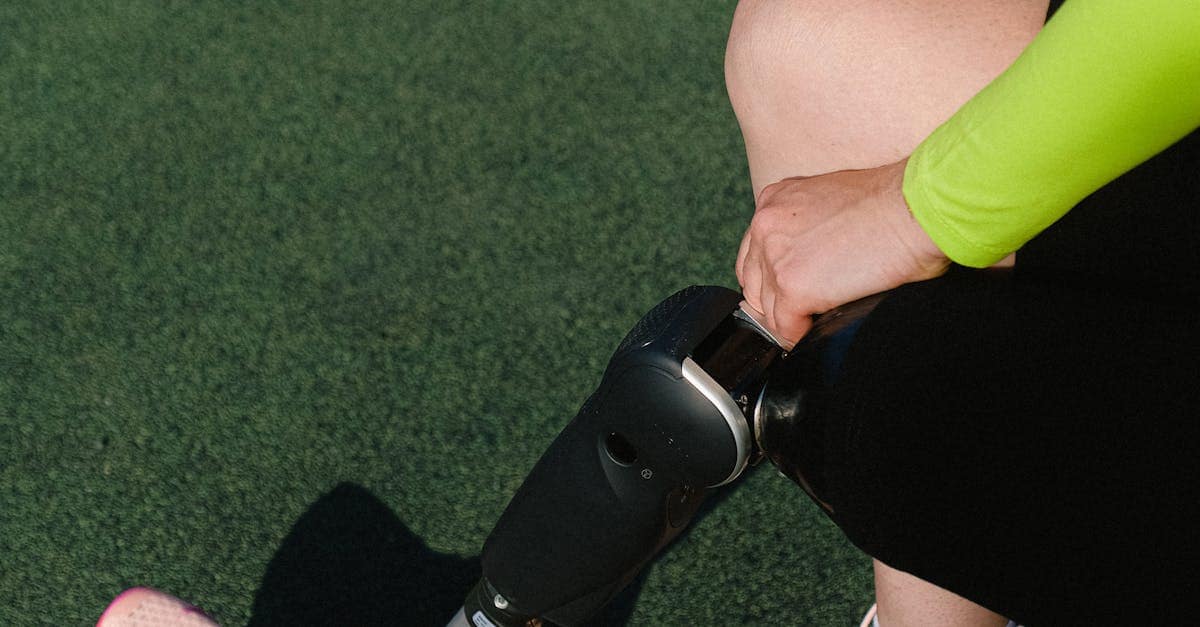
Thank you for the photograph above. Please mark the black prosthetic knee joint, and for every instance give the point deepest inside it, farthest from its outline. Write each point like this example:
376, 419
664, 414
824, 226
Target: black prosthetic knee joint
683, 407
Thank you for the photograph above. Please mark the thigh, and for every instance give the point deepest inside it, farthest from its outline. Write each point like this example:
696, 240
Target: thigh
824, 86
1028, 446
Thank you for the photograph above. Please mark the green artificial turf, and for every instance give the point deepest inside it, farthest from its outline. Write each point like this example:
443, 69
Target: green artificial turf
293, 294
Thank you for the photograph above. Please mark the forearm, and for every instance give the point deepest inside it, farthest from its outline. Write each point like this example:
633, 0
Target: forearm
1106, 85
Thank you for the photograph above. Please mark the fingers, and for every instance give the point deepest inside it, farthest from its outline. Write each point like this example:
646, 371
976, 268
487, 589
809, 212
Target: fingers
783, 317
789, 322
741, 256
752, 281
762, 292
818, 242
749, 271
767, 298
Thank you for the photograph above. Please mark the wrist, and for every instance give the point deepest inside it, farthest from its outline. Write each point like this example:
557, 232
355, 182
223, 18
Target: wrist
923, 250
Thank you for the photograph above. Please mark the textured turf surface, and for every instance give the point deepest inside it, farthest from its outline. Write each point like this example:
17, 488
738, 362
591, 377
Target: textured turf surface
292, 294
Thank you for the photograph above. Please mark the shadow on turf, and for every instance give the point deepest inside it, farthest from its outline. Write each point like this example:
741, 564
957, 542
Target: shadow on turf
350, 561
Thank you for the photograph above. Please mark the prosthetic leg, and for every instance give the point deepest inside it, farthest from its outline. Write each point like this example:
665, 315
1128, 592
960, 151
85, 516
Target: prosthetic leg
682, 409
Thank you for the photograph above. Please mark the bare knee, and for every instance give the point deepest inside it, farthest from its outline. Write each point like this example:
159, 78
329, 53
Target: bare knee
822, 86
778, 73
773, 48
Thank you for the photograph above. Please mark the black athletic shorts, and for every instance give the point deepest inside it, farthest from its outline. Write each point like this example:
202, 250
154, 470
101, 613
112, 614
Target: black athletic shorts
1031, 443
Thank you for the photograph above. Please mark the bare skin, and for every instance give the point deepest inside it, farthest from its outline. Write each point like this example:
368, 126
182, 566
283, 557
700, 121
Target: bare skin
826, 86
832, 97
815, 243
906, 600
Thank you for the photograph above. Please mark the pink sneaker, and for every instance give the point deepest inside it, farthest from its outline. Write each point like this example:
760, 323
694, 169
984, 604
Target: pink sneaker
145, 607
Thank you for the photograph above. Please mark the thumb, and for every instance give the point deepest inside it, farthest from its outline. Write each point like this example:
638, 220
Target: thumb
790, 324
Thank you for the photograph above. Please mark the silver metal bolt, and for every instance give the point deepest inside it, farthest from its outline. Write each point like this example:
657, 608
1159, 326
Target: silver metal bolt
647, 473
500, 602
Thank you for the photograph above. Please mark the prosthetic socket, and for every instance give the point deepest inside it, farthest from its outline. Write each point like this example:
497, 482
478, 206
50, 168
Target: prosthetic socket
684, 406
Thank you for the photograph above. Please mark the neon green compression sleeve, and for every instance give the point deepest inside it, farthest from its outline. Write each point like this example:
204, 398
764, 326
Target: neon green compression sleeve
1104, 86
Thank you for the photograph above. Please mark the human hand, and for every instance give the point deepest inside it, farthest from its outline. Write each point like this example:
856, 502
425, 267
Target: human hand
818, 242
